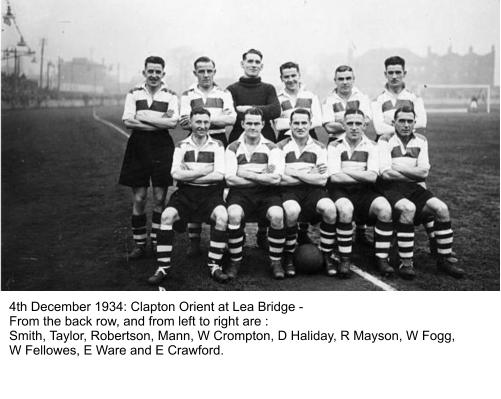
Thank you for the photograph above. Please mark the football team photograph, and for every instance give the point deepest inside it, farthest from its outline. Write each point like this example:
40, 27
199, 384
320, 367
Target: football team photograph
373, 170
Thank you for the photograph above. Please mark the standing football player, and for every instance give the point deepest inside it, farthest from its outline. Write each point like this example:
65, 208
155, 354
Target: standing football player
251, 92
294, 96
344, 96
207, 94
198, 167
396, 95
150, 111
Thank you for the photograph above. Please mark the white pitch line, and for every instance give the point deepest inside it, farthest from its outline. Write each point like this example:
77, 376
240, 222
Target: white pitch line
112, 125
369, 277
373, 279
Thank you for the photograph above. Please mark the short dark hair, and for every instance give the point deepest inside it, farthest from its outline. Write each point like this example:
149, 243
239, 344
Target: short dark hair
254, 111
404, 108
343, 68
203, 59
252, 51
301, 111
288, 65
153, 59
395, 60
354, 111
199, 111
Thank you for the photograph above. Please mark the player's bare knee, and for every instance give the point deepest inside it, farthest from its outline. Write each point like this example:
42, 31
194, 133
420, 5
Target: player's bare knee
407, 211
159, 195
220, 217
139, 200
276, 217
344, 211
381, 208
327, 209
329, 214
442, 211
235, 215
169, 216
292, 211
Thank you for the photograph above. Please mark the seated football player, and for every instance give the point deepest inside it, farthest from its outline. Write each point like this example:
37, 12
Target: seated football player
345, 96
254, 167
207, 94
303, 189
292, 97
404, 167
353, 169
198, 168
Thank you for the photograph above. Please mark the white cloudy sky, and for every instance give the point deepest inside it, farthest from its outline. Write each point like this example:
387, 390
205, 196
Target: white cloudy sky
126, 31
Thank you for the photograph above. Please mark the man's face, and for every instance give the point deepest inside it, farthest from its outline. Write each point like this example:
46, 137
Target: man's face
252, 65
354, 125
395, 75
154, 74
404, 123
291, 78
300, 126
200, 124
252, 125
205, 72
344, 82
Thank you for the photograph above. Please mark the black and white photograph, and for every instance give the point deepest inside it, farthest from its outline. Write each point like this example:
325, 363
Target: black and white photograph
250, 199
300, 145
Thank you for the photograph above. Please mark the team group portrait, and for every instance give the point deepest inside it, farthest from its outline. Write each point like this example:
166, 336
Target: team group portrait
272, 169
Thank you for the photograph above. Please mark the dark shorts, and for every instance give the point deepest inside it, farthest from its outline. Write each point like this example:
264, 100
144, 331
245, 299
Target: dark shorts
255, 201
148, 157
307, 196
395, 191
196, 204
281, 135
360, 195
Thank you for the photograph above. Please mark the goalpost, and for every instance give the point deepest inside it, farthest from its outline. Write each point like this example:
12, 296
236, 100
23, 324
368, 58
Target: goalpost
456, 98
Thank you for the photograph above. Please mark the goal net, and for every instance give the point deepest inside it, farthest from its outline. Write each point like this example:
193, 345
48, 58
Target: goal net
456, 98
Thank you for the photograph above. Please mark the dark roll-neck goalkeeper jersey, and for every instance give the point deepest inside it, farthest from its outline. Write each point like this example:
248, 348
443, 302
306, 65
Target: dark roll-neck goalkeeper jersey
251, 91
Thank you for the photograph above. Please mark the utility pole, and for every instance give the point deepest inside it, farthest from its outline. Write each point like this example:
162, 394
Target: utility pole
59, 61
16, 71
41, 62
49, 65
